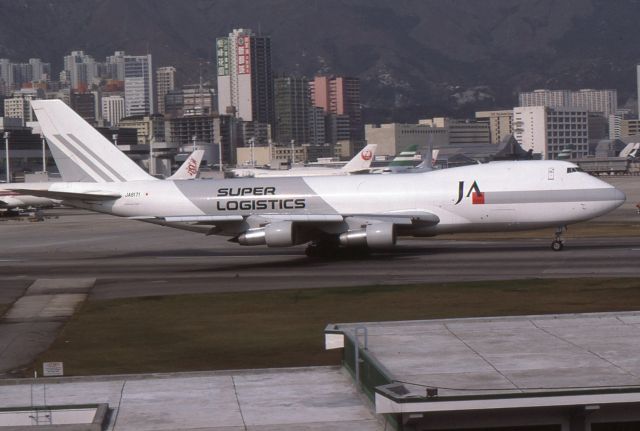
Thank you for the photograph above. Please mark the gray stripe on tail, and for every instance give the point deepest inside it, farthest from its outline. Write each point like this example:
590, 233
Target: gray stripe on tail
69, 146
92, 154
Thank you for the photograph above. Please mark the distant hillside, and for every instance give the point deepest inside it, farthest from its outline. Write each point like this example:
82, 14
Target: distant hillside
415, 57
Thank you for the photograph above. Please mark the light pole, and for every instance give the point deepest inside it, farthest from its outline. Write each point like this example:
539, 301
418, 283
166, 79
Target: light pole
152, 165
252, 141
6, 155
44, 156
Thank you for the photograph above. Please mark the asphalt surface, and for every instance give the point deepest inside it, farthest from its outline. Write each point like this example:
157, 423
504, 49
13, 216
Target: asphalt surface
131, 258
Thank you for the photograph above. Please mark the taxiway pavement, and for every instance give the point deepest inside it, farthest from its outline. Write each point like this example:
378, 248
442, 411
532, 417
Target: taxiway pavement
129, 258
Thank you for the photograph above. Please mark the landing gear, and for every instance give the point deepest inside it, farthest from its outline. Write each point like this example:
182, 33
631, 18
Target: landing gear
327, 249
558, 243
322, 249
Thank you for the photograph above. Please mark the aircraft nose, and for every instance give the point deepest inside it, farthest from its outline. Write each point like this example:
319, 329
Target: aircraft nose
618, 195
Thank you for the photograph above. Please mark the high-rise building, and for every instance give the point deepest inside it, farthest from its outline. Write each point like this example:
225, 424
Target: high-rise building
340, 95
112, 110
549, 131
317, 132
638, 85
39, 71
292, 107
165, 82
13, 76
84, 104
82, 70
630, 127
462, 132
6, 74
549, 98
19, 106
245, 82
603, 101
500, 123
138, 85
190, 100
114, 66
393, 138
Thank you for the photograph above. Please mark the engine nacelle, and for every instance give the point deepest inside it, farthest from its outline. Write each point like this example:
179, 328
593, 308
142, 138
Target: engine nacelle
377, 235
280, 234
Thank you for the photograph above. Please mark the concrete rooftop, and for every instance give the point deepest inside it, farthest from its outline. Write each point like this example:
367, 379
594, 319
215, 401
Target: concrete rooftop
510, 355
313, 399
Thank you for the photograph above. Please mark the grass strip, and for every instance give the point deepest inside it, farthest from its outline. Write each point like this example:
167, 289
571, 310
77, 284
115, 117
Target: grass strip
285, 328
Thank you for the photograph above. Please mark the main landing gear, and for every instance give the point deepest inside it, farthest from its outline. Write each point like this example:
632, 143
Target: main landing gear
322, 249
558, 243
330, 249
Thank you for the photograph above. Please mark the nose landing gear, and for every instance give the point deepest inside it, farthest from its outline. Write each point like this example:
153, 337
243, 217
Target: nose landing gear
558, 244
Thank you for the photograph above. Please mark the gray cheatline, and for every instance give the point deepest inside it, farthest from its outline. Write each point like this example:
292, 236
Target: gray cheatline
95, 156
69, 146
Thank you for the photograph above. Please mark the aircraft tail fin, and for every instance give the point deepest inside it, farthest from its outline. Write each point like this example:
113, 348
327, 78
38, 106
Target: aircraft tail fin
362, 160
82, 153
189, 169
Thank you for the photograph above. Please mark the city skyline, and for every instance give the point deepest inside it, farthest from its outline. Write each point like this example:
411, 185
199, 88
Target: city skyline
417, 62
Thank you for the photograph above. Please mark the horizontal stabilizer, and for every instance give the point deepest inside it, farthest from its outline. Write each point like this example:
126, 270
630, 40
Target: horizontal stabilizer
97, 195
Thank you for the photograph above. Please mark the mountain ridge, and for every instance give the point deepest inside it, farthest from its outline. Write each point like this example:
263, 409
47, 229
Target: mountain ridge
416, 58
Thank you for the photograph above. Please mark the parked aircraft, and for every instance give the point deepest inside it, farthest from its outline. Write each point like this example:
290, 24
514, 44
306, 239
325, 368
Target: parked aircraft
329, 212
189, 169
359, 164
10, 200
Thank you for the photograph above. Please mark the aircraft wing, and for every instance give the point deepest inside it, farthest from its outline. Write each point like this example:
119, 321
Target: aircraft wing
212, 224
400, 218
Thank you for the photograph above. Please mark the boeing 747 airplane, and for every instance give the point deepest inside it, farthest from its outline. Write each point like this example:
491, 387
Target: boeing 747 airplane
327, 212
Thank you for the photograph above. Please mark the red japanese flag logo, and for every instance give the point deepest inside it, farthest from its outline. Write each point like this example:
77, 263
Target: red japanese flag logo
477, 198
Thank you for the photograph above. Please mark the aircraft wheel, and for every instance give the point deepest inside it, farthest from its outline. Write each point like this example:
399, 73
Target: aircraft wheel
321, 250
557, 245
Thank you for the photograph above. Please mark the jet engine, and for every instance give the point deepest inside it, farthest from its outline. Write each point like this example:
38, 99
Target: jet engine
377, 235
279, 234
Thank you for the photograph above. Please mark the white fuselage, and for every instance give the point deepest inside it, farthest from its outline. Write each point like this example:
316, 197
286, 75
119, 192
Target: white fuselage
490, 197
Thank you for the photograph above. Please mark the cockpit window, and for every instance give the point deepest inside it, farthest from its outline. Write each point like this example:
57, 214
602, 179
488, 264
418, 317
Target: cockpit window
572, 170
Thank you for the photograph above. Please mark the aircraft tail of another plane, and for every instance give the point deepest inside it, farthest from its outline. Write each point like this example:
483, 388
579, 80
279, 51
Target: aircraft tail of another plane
362, 160
82, 154
189, 169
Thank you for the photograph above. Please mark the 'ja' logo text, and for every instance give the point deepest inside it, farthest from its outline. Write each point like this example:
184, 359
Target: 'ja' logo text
477, 197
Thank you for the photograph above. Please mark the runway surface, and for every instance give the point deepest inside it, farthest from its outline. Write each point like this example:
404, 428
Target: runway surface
118, 258
129, 258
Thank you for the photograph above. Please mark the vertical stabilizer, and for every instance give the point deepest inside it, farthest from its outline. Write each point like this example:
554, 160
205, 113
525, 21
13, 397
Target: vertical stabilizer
189, 169
80, 151
362, 160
